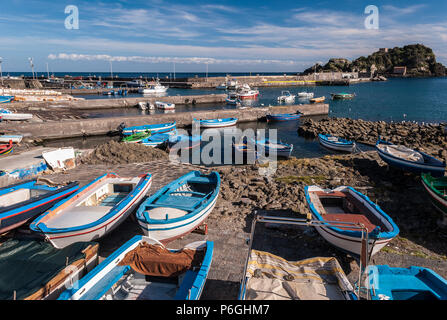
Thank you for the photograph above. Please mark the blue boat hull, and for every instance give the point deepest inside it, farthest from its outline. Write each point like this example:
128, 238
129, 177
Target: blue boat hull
16, 215
431, 165
413, 283
153, 128
282, 117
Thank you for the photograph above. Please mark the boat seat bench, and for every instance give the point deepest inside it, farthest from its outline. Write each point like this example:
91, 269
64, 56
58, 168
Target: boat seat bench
353, 218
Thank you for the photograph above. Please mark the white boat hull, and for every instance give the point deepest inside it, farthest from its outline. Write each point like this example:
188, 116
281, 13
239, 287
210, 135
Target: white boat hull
16, 116
14, 139
337, 147
172, 231
62, 240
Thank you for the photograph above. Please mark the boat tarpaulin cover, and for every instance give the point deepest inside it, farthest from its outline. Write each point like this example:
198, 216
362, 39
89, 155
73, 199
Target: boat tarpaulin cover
28, 265
153, 260
270, 277
402, 152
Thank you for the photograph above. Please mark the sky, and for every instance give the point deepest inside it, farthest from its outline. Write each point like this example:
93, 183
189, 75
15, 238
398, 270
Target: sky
221, 36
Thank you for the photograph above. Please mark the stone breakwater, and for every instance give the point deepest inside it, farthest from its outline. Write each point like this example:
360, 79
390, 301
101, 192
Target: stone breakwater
430, 138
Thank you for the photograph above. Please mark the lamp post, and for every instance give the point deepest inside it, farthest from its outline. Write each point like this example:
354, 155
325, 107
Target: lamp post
32, 65
1, 73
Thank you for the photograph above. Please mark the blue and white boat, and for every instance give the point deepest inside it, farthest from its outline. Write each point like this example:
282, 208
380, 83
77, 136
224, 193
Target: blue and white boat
413, 283
7, 137
179, 207
143, 269
158, 139
267, 147
283, 117
408, 159
6, 99
336, 143
347, 205
92, 211
25, 200
153, 128
216, 123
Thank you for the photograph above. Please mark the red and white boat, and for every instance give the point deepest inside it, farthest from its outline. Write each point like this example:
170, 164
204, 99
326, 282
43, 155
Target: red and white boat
245, 92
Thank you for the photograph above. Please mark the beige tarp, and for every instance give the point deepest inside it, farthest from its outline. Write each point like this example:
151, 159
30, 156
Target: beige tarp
402, 152
273, 278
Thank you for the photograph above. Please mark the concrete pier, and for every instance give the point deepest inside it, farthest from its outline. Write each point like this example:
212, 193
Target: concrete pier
101, 126
90, 104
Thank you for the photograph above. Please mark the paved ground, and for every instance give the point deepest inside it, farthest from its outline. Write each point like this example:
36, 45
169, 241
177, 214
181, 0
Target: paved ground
230, 245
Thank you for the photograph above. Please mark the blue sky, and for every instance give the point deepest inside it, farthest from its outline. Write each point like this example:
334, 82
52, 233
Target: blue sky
229, 36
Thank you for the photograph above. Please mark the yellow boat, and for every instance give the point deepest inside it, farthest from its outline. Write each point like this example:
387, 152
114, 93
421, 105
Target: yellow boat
317, 100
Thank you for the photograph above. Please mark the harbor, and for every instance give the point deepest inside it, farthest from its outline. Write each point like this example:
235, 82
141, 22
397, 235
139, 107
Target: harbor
226, 154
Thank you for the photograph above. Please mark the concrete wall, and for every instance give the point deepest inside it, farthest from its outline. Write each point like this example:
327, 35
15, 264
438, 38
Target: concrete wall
101, 126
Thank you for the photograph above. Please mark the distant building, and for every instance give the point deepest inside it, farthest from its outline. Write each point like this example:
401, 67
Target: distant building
384, 50
400, 70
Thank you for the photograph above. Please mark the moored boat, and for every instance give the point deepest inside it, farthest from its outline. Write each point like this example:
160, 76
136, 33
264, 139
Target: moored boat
413, 283
155, 140
136, 137
153, 89
34, 270
283, 117
245, 92
286, 97
143, 269
278, 148
25, 200
184, 142
6, 148
216, 123
6, 114
437, 189
317, 100
153, 128
408, 159
336, 143
342, 96
347, 205
92, 211
307, 95
13, 138
179, 207
6, 99
164, 105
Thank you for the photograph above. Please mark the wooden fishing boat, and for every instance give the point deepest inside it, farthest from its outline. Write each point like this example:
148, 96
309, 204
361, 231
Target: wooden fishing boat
136, 137
271, 277
6, 99
6, 148
278, 148
155, 140
153, 128
11, 116
35, 270
267, 276
347, 205
179, 207
342, 96
304, 95
413, 283
143, 269
317, 100
283, 117
408, 159
14, 138
25, 200
437, 189
92, 211
164, 105
336, 143
216, 123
